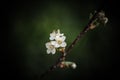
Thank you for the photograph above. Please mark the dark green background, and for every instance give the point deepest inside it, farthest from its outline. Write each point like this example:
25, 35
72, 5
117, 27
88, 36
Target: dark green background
29, 24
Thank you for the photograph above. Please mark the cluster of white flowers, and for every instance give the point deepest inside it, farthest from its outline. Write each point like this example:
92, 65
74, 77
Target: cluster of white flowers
57, 40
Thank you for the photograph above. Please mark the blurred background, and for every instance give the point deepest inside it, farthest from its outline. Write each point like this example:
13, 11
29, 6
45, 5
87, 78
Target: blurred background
29, 24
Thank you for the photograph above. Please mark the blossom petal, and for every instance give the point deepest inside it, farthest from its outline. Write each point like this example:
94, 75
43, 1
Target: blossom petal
57, 38
47, 44
53, 51
52, 38
53, 42
63, 44
52, 35
48, 51
57, 45
63, 38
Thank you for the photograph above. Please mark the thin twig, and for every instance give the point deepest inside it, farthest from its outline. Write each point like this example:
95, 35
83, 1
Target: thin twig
65, 53
82, 33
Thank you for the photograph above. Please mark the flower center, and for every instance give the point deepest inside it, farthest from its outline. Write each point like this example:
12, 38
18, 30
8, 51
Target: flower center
51, 46
59, 42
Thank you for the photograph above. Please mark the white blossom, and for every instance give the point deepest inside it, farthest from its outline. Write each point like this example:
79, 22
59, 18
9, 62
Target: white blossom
54, 34
60, 40
50, 48
57, 40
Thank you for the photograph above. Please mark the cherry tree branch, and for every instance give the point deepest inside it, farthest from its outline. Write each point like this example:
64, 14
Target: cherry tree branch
91, 24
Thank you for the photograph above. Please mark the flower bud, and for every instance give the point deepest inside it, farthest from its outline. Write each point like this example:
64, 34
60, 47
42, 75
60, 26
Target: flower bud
74, 66
68, 64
